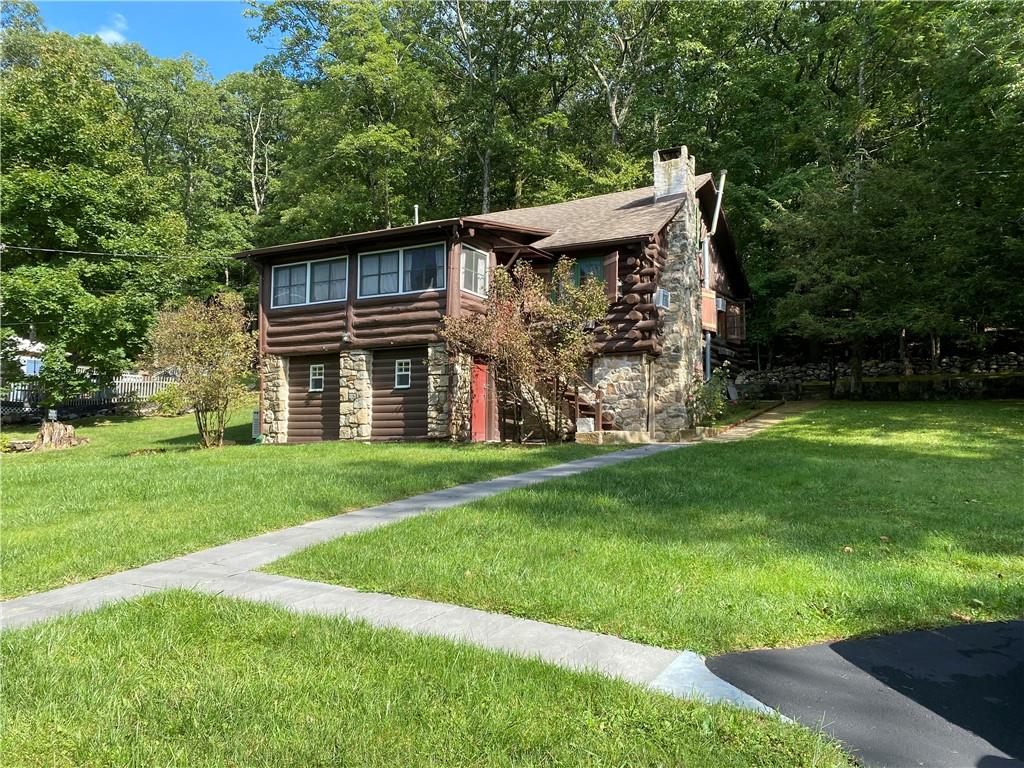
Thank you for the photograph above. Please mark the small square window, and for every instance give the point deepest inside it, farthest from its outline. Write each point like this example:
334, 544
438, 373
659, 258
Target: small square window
403, 374
316, 377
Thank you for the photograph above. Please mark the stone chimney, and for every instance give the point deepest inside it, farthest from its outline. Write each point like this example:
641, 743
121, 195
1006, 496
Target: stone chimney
670, 168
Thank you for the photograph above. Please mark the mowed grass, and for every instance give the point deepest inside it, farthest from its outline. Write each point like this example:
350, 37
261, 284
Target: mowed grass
141, 492
851, 519
179, 679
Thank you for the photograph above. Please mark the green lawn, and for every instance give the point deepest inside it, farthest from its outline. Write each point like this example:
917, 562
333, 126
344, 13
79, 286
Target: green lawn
179, 679
141, 492
851, 519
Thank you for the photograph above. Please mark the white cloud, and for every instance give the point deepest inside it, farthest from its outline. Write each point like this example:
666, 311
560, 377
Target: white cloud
113, 33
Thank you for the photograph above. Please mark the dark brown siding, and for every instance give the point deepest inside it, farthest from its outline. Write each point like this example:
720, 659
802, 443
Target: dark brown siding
312, 415
399, 413
303, 329
413, 318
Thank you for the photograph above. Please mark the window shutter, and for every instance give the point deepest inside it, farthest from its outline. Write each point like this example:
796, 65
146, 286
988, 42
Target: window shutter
611, 275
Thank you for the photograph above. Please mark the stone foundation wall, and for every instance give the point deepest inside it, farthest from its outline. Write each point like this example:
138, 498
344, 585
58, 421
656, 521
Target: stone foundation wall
448, 393
355, 394
274, 419
624, 381
679, 366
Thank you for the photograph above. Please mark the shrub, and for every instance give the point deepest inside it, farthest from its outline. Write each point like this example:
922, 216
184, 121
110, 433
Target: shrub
707, 399
170, 401
211, 346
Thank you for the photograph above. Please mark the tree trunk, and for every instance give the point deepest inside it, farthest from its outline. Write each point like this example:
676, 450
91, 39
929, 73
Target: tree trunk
856, 371
908, 367
485, 161
936, 350
56, 435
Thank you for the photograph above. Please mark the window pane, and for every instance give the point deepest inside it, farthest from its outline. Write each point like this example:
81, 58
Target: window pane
289, 285
589, 268
329, 280
474, 270
424, 268
378, 273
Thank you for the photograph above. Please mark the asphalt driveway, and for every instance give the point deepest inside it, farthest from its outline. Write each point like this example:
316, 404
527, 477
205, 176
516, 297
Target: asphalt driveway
951, 697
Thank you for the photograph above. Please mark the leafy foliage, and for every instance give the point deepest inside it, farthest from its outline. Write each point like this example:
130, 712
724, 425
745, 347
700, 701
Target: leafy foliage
537, 338
210, 346
875, 150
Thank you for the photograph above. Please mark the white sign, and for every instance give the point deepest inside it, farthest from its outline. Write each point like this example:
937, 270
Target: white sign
51, 414
255, 424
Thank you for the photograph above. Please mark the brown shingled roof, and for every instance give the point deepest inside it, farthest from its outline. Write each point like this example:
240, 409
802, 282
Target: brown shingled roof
616, 216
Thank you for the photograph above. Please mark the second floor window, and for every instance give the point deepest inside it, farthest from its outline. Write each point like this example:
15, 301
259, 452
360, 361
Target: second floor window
403, 270
424, 268
328, 280
589, 269
289, 285
378, 273
309, 282
474, 270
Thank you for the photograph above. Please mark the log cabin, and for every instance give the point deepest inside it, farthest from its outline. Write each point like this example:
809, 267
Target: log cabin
349, 326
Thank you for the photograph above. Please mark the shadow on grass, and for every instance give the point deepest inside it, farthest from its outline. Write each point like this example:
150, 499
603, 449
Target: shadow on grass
238, 434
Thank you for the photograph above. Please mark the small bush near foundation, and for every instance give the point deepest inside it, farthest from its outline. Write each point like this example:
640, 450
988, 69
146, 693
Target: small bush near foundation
707, 399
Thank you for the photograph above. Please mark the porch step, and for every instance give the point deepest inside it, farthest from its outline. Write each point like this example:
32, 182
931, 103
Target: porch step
613, 437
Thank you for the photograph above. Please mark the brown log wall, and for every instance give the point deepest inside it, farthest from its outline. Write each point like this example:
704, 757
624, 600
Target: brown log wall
399, 413
312, 416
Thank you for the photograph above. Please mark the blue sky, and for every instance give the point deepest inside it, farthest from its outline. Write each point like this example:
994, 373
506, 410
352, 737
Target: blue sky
216, 32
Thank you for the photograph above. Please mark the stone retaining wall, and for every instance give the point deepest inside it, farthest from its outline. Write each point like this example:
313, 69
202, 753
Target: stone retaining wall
1010, 362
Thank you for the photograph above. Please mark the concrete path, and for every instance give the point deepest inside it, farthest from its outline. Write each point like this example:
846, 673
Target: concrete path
767, 419
229, 570
248, 554
945, 698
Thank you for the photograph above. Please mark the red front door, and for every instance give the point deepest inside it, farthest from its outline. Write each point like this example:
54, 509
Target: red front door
478, 410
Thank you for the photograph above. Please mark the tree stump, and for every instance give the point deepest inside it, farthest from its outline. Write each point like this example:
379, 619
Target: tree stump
57, 435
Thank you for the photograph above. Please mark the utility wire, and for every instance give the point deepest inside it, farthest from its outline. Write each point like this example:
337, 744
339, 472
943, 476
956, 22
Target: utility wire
5, 246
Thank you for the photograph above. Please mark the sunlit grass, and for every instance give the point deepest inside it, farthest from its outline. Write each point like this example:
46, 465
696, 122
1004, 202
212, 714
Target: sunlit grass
141, 491
852, 519
181, 680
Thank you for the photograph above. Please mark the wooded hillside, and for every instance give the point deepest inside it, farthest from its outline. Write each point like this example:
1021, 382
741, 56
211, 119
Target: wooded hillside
875, 150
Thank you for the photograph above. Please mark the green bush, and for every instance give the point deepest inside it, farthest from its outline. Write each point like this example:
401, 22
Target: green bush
170, 401
707, 399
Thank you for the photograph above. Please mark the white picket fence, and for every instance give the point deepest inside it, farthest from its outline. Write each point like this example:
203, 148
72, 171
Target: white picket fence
24, 396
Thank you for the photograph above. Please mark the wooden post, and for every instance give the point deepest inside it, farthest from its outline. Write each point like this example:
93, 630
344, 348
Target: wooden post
599, 412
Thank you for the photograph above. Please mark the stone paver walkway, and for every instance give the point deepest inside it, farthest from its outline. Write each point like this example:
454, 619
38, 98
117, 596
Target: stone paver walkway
229, 570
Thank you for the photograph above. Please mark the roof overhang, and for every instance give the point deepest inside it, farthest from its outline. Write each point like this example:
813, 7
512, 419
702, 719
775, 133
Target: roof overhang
326, 243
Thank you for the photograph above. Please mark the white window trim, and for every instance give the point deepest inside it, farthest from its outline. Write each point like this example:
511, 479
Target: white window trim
309, 282
487, 270
408, 372
401, 270
322, 376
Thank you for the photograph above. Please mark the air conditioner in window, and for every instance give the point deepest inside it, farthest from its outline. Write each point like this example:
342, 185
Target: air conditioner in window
720, 304
662, 298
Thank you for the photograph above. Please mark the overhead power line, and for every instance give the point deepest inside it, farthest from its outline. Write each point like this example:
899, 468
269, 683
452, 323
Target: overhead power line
5, 246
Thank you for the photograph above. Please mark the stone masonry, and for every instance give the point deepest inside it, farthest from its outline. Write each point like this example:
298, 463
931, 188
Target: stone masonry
355, 394
624, 381
274, 375
679, 366
448, 393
